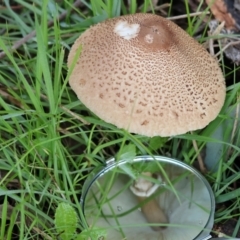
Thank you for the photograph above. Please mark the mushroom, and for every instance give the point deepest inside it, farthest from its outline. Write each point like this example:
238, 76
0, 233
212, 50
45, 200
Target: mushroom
143, 73
143, 189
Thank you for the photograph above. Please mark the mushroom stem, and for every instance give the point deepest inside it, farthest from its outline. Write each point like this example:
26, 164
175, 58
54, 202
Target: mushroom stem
153, 213
143, 189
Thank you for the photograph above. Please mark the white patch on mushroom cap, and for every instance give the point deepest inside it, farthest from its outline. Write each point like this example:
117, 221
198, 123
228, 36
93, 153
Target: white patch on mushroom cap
126, 30
148, 38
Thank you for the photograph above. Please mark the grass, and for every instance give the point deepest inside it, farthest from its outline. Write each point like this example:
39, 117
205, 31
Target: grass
50, 142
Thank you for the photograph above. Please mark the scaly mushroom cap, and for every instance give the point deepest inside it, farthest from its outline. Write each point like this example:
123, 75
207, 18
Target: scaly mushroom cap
143, 73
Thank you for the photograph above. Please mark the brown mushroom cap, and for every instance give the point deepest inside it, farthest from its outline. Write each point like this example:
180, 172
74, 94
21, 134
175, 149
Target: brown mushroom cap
143, 73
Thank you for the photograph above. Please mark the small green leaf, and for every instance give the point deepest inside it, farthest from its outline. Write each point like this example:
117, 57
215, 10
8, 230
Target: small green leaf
66, 221
157, 142
128, 152
92, 234
129, 170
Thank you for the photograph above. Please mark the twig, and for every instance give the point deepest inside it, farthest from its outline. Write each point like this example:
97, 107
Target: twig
199, 157
211, 34
188, 15
12, 7
11, 99
227, 46
68, 111
74, 115
32, 34
43, 234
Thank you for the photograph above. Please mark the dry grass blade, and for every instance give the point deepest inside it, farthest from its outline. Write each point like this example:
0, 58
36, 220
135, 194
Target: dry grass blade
11, 99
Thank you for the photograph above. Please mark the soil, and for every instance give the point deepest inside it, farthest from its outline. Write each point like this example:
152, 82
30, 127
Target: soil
225, 228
